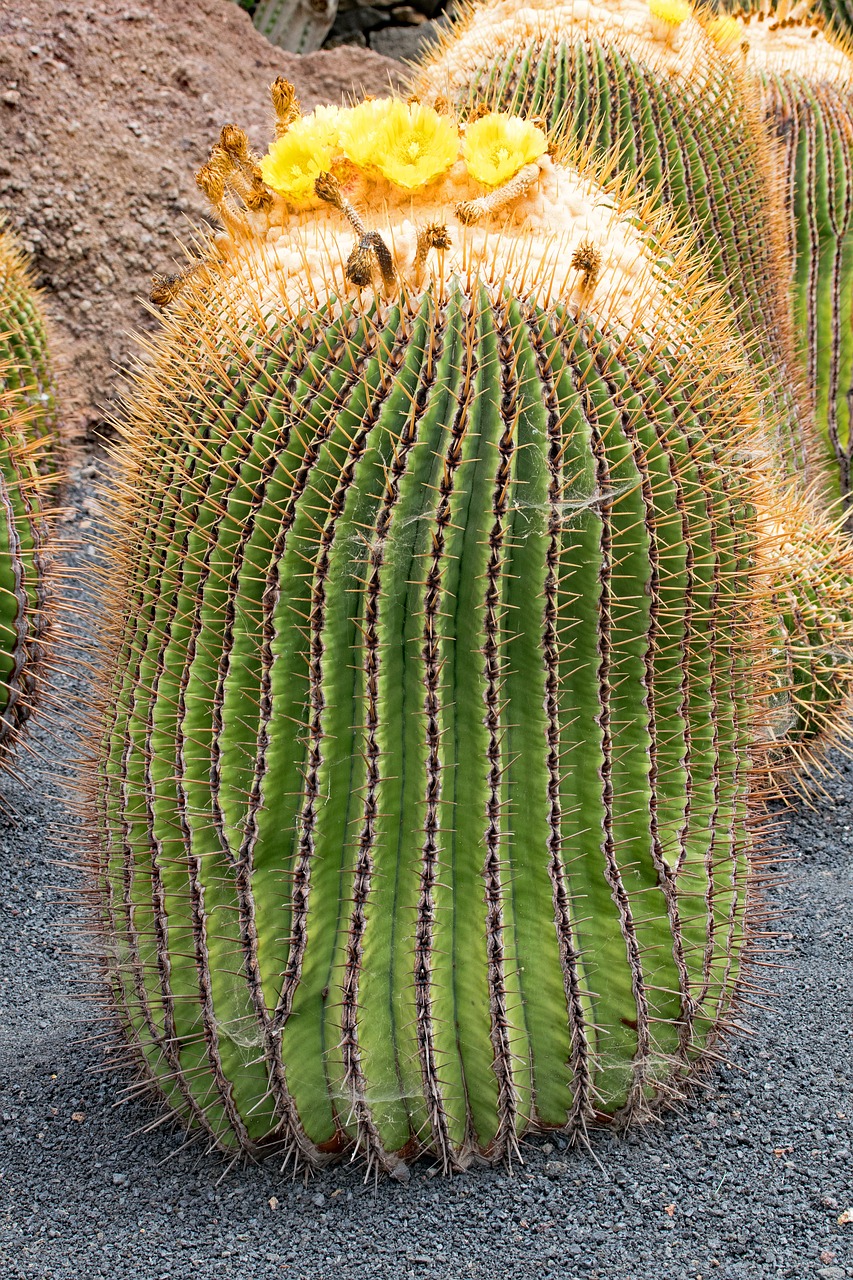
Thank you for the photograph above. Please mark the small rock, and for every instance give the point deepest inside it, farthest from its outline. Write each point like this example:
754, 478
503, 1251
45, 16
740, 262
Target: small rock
11, 97
400, 1172
832, 1273
347, 25
405, 13
403, 43
274, 1203
120, 1179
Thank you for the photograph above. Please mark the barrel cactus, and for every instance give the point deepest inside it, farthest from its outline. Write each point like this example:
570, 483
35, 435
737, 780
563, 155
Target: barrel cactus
28, 444
421, 783
807, 561
645, 82
806, 82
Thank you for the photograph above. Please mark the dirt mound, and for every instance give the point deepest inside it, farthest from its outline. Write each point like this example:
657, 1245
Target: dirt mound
107, 109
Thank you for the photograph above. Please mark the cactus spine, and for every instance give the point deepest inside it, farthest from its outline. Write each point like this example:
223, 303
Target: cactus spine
655, 93
27, 452
422, 774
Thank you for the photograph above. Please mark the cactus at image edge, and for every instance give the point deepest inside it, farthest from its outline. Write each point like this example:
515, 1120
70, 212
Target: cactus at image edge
28, 445
806, 81
807, 561
644, 84
422, 782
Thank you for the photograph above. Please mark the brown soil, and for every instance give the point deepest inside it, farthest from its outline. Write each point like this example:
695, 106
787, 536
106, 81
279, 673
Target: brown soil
107, 109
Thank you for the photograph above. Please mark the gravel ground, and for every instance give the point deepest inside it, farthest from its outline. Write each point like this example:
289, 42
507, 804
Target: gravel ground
749, 1182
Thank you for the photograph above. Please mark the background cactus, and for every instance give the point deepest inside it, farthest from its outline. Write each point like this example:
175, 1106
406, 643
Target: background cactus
28, 420
808, 563
806, 81
422, 774
645, 81
300, 26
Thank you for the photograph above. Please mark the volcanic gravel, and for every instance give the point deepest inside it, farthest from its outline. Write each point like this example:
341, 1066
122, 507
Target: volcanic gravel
753, 1179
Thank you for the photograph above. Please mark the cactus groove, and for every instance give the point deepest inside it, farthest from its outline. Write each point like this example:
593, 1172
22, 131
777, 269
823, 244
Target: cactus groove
423, 772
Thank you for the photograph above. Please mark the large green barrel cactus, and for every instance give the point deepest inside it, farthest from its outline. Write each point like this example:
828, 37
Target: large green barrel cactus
28, 420
422, 775
806, 83
644, 83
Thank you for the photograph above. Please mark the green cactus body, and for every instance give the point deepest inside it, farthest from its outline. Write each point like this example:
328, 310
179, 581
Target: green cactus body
422, 771
670, 111
27, 452
806, 83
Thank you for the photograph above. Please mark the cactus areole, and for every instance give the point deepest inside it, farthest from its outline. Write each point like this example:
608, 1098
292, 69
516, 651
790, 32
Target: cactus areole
422, 766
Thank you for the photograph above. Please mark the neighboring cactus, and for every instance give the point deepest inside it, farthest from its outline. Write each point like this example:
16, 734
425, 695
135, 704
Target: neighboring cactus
28, 420
422, 776
806, 80
299, 26
807, 563
645, 80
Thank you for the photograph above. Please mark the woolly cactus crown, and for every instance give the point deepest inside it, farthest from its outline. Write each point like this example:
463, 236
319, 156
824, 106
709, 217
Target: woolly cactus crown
398, 196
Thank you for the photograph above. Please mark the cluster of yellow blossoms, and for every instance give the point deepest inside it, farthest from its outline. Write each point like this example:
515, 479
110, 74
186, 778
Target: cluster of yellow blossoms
409, 144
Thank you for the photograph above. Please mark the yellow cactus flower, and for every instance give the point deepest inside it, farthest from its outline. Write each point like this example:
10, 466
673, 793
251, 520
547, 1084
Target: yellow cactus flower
672, 12
294, 160
359, 127
496, 146
414, 144
726, 32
